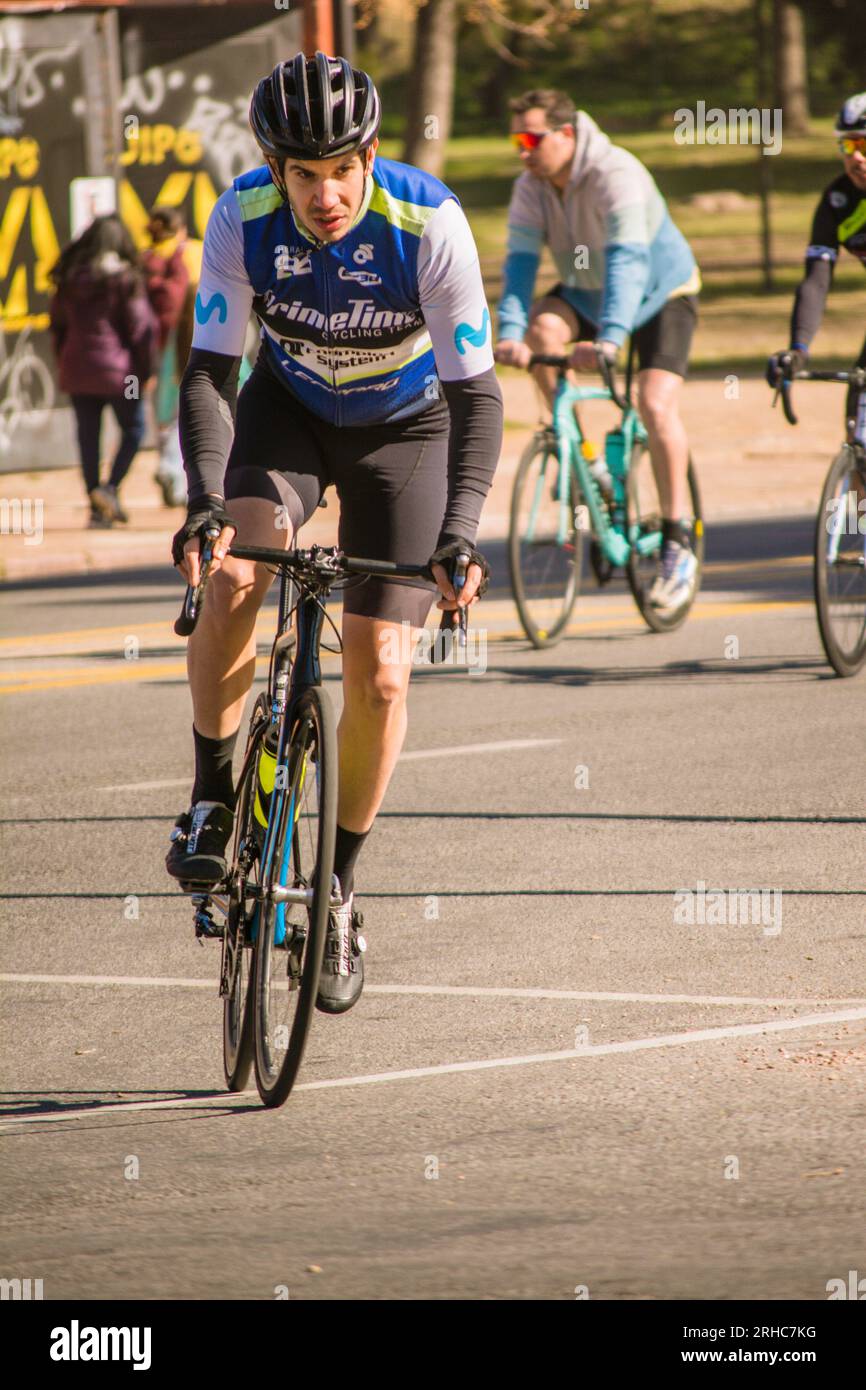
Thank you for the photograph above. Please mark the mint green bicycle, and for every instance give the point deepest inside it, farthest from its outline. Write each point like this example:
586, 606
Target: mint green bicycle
557, 499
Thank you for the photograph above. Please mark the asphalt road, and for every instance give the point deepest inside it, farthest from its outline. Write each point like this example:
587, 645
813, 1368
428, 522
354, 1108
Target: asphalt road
646, 1107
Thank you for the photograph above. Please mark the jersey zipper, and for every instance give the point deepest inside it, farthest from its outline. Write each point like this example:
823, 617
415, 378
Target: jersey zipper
330, 350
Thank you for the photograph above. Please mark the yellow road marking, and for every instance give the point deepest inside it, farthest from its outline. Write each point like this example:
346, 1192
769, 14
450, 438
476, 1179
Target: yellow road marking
144, 670
133, 628
77, 633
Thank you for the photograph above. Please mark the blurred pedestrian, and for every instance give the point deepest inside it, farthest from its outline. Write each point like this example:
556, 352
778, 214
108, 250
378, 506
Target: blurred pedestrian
105, 338
172, 266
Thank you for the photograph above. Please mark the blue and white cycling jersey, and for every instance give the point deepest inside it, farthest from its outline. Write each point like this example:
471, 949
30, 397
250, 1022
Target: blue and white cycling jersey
362, 329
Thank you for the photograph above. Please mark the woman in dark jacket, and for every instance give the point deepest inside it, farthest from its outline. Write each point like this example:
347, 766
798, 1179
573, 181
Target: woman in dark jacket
105, 340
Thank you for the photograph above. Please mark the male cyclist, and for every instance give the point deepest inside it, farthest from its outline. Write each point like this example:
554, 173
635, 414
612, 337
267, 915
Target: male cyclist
840, 220
625, 268
364, 275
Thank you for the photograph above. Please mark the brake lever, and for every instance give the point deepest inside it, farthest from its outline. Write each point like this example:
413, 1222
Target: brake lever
446, 622
606, 370
784, 390
461, 569
194, 597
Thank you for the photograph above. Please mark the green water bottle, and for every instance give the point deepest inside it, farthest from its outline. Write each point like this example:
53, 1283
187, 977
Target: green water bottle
614, 455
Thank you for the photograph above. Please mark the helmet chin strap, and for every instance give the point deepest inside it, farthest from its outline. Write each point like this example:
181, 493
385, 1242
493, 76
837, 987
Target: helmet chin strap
277, 179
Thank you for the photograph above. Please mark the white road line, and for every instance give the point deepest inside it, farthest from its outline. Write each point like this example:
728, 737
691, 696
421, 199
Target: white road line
741, 1030
146, 786
456, 751
468, 991
451, 751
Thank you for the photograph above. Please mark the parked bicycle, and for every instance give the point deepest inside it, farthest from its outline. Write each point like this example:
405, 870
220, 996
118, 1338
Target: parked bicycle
839, 573
557, 498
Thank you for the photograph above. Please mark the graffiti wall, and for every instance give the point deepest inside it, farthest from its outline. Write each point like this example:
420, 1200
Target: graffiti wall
182, 135
35, 151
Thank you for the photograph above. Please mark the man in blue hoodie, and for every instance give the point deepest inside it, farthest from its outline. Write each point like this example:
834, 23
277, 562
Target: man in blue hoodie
624, 268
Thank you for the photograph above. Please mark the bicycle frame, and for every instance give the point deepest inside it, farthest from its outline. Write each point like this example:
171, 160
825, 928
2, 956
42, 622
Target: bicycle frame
615, 543
292, 676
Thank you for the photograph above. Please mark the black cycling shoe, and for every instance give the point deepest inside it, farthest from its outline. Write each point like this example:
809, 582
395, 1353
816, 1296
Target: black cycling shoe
342, 977
198, 843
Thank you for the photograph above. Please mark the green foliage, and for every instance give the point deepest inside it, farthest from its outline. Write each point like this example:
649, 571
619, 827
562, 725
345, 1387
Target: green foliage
632, 63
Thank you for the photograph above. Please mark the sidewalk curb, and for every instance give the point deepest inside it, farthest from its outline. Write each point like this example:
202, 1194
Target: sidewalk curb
15, 570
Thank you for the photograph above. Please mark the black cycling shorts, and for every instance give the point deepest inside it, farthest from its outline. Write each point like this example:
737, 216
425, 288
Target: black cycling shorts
663, 341
391, 482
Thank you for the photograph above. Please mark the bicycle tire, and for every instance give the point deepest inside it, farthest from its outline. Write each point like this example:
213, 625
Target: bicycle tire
313, 741
238, 1044
556, 567
641, 570
846, 658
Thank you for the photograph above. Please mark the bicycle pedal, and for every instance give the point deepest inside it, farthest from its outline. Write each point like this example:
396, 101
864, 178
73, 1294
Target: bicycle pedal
205, 926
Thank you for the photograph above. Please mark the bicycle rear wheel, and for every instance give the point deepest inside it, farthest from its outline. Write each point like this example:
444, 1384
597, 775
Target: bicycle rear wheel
840, 563
290, 942
645, 537
545, 546
244, 887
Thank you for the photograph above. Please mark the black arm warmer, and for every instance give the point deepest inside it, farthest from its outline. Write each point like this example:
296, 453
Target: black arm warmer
473, 450
810, 300
208, 397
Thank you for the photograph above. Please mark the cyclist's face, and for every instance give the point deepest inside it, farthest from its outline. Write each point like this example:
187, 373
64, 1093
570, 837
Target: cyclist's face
855, 168
327, 193
555, 152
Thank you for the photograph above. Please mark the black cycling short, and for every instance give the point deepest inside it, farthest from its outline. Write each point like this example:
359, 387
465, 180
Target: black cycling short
391, 482
663, 341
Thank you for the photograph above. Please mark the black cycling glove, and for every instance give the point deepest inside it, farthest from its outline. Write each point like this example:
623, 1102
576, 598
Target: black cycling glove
446, 556
785, 364
200, 514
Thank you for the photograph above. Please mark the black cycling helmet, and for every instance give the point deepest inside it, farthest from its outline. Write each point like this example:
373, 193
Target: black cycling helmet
314, 108
852, 118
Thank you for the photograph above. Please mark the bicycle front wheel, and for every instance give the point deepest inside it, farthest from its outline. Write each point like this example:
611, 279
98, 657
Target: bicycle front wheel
290, 942
840, 563
645, 538
544, 543
244, 892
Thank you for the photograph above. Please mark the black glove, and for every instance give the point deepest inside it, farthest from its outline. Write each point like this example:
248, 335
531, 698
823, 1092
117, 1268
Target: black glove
785, 363
201, 512
446, 556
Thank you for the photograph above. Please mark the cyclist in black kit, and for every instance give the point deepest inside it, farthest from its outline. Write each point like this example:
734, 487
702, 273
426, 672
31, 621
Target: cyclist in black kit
839, 221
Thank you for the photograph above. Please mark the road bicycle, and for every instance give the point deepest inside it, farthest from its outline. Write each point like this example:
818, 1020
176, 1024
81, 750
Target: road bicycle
556, 499
839, 573
272, 908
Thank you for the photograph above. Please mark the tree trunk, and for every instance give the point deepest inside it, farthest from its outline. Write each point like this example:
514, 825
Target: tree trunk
432, 86
494, 92
789, 59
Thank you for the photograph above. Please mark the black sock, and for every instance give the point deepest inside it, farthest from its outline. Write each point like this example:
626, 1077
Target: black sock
213, 769
348, 848
679, 531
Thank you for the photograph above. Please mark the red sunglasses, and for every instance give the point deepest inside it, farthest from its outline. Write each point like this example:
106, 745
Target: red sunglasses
529, 139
